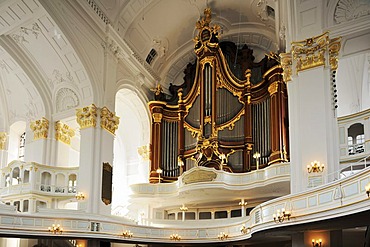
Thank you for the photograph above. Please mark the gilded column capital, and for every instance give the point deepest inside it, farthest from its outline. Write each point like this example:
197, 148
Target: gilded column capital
63, 132
108, 120
310, 53
157, 117
40, 128
286, 64
3, 136
334, 47
86, 117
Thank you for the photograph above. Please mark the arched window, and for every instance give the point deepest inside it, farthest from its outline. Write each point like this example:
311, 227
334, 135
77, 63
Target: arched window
16, 176
45, 182
356, 139
72, 183
60, 183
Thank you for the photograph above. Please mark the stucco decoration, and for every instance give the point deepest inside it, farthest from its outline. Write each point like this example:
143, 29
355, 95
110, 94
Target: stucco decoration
66, 99
347, 10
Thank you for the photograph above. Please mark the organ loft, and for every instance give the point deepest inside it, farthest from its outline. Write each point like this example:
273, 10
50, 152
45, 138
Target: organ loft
230, 113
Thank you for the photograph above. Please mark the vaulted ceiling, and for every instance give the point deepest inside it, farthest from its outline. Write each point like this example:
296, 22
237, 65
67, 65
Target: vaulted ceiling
39, 65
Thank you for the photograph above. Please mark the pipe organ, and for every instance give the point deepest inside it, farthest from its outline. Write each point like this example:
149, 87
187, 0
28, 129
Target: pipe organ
228, 109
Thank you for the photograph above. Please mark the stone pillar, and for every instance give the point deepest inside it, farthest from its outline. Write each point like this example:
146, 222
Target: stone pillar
97, 129
36, 149
3, 149
313, 125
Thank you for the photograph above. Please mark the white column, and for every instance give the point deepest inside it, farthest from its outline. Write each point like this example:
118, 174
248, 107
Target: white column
97, 134
312, 115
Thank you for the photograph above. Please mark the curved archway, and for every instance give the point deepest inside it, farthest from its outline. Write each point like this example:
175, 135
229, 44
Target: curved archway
133, 132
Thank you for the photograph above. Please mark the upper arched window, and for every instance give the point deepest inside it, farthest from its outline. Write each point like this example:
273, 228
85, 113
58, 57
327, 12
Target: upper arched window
356, 139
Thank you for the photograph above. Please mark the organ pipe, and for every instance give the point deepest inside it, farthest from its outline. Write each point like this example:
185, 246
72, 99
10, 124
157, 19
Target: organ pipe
220, 119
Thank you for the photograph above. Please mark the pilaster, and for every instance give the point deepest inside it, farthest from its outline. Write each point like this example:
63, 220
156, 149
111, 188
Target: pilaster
312, 108
37, 146
97, 129
63, 135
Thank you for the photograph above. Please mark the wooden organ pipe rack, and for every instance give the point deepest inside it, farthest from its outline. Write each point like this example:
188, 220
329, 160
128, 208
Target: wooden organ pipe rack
228, 109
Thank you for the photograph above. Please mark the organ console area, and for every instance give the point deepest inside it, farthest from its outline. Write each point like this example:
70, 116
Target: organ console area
230, 113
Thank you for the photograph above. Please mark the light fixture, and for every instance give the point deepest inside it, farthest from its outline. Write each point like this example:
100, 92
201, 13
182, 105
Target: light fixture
315, 167
316, 242
159, 171
55, 229
80, 196
280, 216
243, 203
257, 156
367, 188
183, 208
127, 234
244, 229
222, 236
175, 237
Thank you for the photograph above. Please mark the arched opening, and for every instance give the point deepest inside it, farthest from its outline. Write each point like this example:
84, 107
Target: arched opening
16, 177
133, 133
45, 181
356, 139
72, 183
26, 176
17, 141
59, 183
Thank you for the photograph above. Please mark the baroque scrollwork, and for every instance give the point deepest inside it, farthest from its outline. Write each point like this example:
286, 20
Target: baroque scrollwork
144, 152
3, 137
63, 132
310, 52
86, 117
286, 64
40, 128
108, 120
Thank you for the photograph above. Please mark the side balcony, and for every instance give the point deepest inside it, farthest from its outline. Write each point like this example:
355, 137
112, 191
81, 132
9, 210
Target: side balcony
21, 181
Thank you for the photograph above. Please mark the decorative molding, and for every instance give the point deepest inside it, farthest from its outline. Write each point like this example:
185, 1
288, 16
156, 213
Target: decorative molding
144, 152
347, 10
3, 137
197, 175
86, 117
97, 10
273, 88
20, 38
108, 120
63, 132
40, 128
262, 10
60, 78
310, 52
110, 45
66, 99
286, 64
